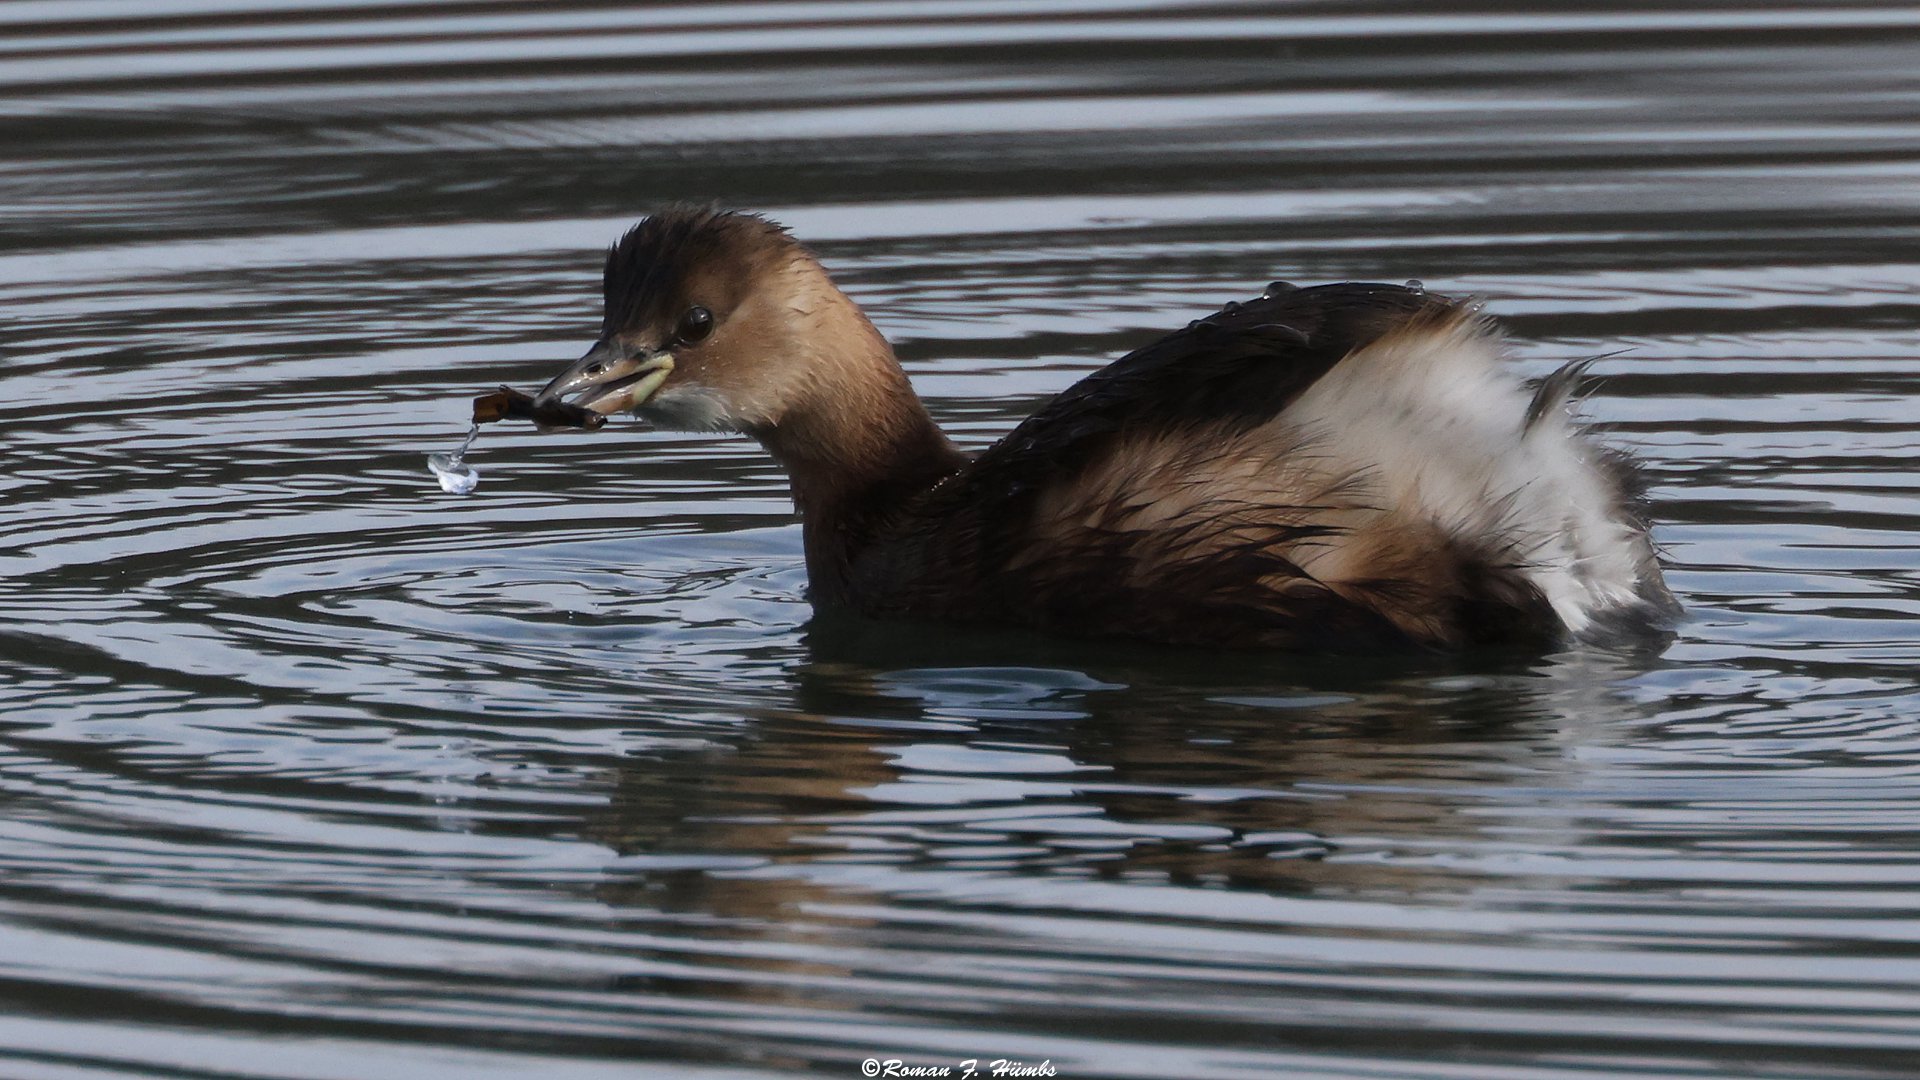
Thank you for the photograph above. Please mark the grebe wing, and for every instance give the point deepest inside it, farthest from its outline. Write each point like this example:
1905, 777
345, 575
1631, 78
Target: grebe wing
1241, 365
1349, 466
1056, 521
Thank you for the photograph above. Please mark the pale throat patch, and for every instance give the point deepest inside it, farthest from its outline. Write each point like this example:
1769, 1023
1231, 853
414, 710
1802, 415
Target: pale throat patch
690, 408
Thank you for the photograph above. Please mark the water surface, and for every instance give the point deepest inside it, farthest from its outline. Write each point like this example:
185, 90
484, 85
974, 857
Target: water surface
310, 770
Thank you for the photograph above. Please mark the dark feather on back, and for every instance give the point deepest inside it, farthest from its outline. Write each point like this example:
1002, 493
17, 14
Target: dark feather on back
1240, 365
965, 551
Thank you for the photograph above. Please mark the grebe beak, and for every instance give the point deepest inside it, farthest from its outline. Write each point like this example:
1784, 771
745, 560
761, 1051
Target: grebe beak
613, 379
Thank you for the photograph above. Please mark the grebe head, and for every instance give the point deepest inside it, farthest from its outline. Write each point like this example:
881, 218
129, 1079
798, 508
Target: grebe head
714, 321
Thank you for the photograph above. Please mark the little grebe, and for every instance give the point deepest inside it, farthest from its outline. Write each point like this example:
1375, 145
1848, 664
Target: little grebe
1338, 467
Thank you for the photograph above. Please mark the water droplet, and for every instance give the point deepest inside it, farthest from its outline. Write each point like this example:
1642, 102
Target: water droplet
455, 475
1278, 288
1232, 308
1416, 285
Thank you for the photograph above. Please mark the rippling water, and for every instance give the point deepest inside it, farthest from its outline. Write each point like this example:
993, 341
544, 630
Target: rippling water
311, 771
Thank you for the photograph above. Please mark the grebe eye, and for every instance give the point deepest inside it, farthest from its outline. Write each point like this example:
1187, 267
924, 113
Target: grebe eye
696, 324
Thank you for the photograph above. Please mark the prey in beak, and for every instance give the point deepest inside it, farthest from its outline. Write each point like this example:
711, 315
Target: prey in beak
705, 319
610, 378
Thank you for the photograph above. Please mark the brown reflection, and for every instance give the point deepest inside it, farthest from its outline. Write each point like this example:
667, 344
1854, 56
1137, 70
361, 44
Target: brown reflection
1265, 775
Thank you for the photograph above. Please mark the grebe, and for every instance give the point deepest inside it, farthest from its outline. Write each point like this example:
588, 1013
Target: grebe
1342, 467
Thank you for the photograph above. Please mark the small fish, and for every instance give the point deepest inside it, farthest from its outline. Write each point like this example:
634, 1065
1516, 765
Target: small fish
507, 403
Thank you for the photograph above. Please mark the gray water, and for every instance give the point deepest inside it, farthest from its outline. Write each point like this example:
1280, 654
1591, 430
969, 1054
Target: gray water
309, 770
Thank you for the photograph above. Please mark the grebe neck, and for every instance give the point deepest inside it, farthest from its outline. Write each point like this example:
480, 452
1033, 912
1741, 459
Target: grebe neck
855, 449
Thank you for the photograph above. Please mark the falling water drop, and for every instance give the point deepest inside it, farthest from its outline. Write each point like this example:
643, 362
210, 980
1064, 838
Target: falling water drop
456, 476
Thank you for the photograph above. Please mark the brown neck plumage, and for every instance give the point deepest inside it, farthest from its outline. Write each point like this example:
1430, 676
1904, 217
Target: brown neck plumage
856, 445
